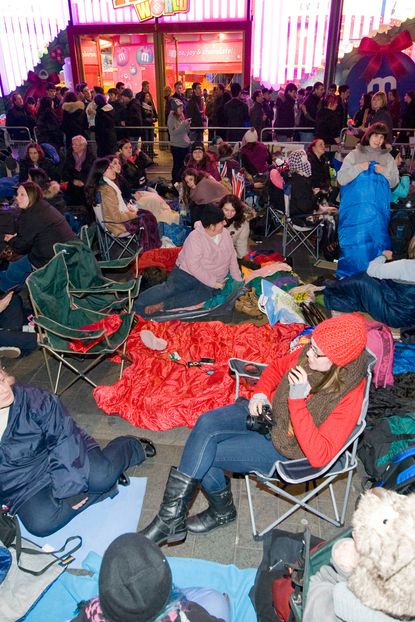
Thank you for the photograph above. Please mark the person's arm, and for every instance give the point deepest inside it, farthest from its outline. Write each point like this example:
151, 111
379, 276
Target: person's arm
67, 451
241, 238
321, 444
350, 170
272, 375
401, 270
110, 207
194, 261
23, 241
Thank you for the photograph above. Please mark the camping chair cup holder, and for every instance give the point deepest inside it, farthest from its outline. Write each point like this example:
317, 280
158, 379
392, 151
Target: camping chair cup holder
296, 472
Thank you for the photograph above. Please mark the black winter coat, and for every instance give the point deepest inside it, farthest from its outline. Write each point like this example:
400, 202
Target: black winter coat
320, 174
48, 129
74, 121
43, 163
105, 133
17, 116
39, 447
133, 117
312, 104
285, 114
236, 115
302, 200
328, 125
39, 227
75, 195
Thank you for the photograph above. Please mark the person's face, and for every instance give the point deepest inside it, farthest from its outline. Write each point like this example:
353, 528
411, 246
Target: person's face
319, 91
198, 90
216, 229
179, 89
116, 166
33, 155
51, 93
332, 91
22, 199
197, 155
345, 94
87, 93
127, 150
316, 359
260, 99
398, 160
147, 98
376, 141
293, 94
6, 392
146, 88
112, 97
267, 96
376, 103
319, 148
190, 181
179, 110
406, 98
18, 100
229, 211
78, 145
361, 100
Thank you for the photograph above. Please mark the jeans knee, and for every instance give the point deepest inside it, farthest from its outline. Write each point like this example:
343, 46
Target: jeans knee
39, 525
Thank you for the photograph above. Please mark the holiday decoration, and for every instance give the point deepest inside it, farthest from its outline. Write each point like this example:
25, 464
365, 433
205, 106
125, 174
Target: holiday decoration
144, 56
122, 56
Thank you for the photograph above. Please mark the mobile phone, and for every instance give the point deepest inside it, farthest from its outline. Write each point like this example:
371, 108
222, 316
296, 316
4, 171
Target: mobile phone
206, 360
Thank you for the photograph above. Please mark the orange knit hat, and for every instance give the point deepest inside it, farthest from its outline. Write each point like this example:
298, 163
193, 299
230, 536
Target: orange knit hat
342, 338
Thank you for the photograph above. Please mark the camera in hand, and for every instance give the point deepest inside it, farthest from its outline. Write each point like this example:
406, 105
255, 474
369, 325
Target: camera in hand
261, 423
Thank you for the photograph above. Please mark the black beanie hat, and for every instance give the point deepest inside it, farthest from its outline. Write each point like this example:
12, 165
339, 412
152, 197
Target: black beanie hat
198, 145
211, 215
135, 580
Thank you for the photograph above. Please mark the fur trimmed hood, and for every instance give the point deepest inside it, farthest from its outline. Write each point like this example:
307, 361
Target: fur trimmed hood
72, 107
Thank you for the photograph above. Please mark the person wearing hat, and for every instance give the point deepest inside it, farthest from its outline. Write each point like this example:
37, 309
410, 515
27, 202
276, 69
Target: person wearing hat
366, 177
135, 585
201, 160
201, 269
255, 157
316, 395
302, 199
105, 133
179, 137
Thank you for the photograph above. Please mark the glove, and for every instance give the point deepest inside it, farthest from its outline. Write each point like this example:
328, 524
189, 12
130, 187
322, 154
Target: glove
299, 390
257, 402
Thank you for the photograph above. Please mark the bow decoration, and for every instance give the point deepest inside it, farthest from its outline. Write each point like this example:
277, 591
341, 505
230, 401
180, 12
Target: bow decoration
390, 51
38, 82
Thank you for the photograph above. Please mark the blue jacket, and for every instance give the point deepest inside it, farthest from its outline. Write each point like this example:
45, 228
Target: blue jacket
41, 446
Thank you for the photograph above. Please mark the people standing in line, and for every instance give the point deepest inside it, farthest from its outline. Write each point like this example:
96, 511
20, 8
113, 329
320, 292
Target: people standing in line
256, 114
48, 126
380, 114
285, 113
394, 107
17, 117
343, 105
114, 100
268, 108
236, 114
74, 119
105, 132
179, 137
361, 117
196, 112
218, 109
149, 116
132, 117
309, 108
177, 94
328, 122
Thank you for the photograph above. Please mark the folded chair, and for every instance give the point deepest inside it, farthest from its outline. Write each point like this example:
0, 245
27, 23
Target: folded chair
58, 324
124, 245
87, 285
294, 472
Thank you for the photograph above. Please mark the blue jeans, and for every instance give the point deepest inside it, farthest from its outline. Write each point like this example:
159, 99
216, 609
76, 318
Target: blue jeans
43, 514
180, 290
15, 274
11, 321
220, 441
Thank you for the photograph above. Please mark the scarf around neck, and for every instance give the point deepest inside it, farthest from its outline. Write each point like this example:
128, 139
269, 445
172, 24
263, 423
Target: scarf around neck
121, 203
320, 404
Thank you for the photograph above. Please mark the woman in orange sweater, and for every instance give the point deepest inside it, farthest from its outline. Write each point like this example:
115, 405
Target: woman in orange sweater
316, 395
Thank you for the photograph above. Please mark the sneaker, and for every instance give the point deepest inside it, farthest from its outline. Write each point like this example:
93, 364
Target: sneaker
9, 352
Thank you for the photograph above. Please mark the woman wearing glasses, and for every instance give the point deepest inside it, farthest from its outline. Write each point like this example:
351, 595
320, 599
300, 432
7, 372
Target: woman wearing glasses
316, 396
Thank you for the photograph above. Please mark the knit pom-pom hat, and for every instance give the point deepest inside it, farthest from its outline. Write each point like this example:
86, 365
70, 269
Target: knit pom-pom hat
342, 338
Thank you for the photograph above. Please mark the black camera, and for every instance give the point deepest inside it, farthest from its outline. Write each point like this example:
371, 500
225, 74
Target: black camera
261, 423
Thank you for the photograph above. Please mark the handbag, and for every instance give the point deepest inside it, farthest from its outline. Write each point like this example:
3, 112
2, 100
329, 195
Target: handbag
11, 537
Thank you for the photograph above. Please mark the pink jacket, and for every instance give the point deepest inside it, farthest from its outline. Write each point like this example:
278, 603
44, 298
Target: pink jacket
207, 261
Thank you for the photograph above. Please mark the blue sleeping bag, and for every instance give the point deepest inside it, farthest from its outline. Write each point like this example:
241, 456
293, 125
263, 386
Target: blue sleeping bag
364, 216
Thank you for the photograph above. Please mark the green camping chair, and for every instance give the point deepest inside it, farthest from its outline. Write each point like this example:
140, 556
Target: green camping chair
87, 285
59, 323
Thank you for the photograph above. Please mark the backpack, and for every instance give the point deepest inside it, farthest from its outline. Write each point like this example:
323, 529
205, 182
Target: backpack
380, 342
399, 475
401, 229
329, 243
384, 440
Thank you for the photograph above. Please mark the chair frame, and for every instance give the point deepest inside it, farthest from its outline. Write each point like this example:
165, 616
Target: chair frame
124, 243
294, 472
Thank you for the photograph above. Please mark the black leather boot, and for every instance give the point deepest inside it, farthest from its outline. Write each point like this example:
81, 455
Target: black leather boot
170, 524
221, 511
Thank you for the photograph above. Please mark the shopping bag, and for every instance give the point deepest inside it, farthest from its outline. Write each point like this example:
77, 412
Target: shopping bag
278, 305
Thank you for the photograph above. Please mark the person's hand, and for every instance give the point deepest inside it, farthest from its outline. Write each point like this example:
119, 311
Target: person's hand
364, 165
256, 404
387, 254
380, 169
4, 302
80, 504
78, 183
337, 141
8, 236
218, 285
298, 381
316, 190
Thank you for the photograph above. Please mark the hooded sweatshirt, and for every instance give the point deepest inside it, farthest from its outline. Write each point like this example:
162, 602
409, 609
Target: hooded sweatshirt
350, 168
206, 260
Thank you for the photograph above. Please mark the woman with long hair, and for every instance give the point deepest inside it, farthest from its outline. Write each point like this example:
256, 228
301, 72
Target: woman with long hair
202, 160
200, 189
35, 158
316, 394
365, 105
381, 114
366, 177
237, 216
133, 165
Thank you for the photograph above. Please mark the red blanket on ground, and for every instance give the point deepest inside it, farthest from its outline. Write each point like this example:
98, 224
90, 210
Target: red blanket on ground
159, 394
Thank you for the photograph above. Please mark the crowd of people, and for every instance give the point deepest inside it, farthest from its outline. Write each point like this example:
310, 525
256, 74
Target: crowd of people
315, 393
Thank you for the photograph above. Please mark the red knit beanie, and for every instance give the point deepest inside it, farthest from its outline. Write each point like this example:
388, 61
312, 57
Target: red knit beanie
342, 338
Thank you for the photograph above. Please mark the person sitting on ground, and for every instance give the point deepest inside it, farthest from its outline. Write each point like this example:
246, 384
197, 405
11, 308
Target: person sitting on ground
199, 190
203, 161
255, 157
316, 395
51, 189
135, 584
201, 268
63, 471
133, 165
386, 290
320, 174
77, 165
12, 320
39, 227
237, 216
35, 158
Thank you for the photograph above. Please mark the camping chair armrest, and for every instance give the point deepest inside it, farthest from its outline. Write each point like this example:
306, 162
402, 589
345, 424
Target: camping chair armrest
116, 264
67, 332
111, 287
246, 369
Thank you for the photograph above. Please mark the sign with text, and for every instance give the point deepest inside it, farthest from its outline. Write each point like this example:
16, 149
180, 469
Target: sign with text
206, 52
149, 9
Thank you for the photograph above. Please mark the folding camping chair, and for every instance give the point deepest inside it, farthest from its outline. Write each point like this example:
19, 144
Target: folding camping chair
87, 285
307, 234
59, 324
294, 472
124, 245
